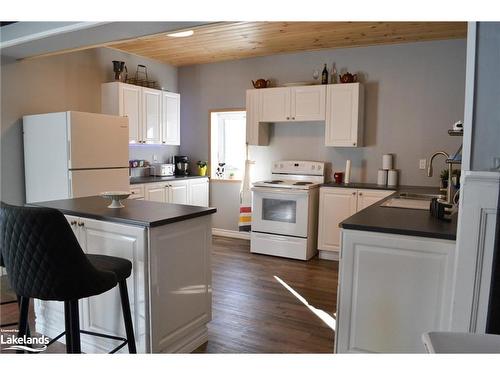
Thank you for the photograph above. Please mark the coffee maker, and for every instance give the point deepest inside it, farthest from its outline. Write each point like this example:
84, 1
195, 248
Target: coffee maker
181, 165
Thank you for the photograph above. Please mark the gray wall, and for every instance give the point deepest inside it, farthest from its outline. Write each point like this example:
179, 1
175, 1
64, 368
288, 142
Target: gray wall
414, 93
60, 83
486, 129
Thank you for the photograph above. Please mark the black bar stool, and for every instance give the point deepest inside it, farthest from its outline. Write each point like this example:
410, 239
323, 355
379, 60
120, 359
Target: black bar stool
45, 261
9, 302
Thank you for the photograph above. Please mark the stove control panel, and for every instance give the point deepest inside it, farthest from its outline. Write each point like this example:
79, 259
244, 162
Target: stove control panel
315, 168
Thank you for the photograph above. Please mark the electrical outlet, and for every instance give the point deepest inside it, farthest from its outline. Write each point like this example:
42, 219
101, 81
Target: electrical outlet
155, 158
422, 163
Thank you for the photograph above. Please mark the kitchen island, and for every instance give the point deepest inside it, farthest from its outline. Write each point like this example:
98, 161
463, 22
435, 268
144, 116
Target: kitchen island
395, 280
170, 285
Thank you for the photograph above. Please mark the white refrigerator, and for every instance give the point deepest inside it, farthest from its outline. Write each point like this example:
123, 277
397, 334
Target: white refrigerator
74, 154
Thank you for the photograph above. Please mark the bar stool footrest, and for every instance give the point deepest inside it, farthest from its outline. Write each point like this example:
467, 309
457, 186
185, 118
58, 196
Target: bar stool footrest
123, 339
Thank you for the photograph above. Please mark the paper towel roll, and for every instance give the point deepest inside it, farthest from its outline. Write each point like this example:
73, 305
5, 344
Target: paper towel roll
347, 177
382, 177
392, 177
387, 161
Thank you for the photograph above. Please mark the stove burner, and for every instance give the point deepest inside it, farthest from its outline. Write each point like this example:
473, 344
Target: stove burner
302, 183
273, 182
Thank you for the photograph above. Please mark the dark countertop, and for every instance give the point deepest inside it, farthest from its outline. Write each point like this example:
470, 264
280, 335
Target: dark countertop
405, 221
150, 179
135, 212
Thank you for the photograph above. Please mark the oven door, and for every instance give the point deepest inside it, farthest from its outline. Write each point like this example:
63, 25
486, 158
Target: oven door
280, 211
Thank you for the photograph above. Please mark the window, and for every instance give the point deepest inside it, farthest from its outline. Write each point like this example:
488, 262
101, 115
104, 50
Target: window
227, 144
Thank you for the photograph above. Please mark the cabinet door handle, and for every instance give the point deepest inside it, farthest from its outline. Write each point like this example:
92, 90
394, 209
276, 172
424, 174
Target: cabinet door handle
81, 224
353, 193
288, 118
293, 118
73, 222
354, 144
163, 142
360, 194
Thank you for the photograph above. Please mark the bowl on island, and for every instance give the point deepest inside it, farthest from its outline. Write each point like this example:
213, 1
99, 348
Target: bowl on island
116, 197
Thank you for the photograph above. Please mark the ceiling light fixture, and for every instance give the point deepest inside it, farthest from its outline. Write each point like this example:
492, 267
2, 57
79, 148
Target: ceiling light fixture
181, 34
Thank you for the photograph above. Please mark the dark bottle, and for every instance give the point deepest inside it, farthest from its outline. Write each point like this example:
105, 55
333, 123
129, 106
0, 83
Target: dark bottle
324, 76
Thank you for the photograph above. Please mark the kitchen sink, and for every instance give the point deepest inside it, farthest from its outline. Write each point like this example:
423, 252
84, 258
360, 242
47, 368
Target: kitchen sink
413, 201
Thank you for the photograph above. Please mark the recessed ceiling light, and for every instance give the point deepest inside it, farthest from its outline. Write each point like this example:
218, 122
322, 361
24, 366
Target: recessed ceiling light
181, 34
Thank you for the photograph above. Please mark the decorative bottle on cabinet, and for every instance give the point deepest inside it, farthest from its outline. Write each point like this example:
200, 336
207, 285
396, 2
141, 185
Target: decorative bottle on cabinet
324, 76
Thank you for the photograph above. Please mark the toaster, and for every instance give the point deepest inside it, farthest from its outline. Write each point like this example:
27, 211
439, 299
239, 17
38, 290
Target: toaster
161, 169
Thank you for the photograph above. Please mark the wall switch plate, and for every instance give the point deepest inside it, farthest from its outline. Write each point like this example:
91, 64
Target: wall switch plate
155, 158
422, 163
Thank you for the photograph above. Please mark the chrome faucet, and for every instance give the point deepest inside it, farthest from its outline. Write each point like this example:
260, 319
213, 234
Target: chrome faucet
449, 198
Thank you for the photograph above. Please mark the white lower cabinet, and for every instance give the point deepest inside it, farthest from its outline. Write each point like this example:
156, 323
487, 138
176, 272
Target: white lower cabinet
102, 313
178, 192
367, 197
336, 205
155, 192
194, 192
199, 192
169, 289
392, 289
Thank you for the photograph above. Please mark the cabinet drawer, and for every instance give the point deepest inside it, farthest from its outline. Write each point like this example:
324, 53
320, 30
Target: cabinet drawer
137, 192
282, 246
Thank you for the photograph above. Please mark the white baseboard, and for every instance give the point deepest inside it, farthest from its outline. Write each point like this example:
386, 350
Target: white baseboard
328, 255
231, 233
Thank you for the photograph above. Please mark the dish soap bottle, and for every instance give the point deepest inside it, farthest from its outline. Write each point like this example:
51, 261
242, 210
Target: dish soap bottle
324, 76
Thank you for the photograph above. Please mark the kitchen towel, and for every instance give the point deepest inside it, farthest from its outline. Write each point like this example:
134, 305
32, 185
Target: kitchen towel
245, 218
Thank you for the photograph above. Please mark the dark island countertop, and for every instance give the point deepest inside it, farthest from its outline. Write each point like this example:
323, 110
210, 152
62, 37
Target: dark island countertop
150, 179
410, 222
135, 212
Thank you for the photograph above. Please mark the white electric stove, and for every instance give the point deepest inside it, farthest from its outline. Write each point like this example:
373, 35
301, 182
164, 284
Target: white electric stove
285, 210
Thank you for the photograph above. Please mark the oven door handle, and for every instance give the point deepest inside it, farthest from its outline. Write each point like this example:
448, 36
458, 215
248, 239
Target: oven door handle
259, 189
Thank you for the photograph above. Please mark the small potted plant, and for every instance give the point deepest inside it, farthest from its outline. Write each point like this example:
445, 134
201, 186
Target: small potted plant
202, 168
455, 178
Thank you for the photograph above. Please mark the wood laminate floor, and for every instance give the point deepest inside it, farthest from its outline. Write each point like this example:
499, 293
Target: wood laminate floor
261, 304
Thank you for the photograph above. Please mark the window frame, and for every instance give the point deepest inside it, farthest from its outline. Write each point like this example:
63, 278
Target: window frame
209, 169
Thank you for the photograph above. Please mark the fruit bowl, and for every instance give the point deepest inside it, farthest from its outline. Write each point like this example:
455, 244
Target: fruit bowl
116, 197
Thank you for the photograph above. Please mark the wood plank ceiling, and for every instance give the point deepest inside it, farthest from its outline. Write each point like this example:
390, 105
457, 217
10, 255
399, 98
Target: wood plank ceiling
239, 40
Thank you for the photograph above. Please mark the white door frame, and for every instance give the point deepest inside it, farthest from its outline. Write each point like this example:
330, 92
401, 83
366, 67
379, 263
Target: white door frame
476, 221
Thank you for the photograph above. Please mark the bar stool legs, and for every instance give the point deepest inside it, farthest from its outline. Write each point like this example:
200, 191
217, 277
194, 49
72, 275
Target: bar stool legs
74, 327
24, 305
67, 327
127, 317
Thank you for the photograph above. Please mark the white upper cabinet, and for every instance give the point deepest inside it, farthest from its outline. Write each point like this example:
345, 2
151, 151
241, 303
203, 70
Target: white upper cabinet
308, 103
344, 115
154, 115
257, 132
301, 103
171, 132
275, 104
151, 115
121, 99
